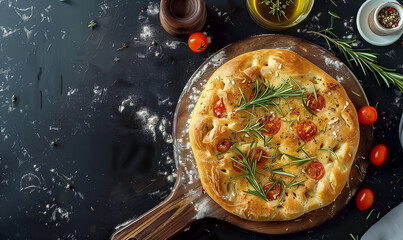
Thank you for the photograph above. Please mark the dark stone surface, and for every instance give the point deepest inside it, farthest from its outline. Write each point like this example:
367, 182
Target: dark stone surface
73, 93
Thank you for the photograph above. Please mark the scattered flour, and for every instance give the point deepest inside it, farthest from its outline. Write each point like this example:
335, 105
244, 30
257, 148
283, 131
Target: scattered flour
391, 53
340, 79
149, 120
173, 44
72, 91
202, 208
315, 18
146, 33
7, 31
30, 182
28, 32
333, 63
129, 101
25, 13
152, 9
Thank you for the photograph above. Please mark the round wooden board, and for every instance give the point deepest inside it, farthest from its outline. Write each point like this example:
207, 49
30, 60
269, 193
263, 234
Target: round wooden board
335, 68
187, 202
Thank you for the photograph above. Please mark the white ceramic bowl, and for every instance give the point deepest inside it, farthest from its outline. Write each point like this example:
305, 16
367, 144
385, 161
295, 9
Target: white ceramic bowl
376, 27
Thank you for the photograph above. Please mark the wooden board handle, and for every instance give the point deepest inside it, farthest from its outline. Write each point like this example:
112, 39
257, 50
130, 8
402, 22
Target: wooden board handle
166, 219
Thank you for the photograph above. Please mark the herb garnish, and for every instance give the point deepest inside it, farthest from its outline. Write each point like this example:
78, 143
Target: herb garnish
331, 152
296, 161
358, 95
249, 169
265, 95
306, 107
361, 57
354, 238
277, 7
369, 214
92, 25
13, 99
116, 59
254, 129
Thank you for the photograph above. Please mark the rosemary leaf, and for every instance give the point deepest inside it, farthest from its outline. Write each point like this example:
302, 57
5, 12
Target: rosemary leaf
306, 107
360, 57
369, 214
358, 95
333, 14
314, 92
331, 152
265, 97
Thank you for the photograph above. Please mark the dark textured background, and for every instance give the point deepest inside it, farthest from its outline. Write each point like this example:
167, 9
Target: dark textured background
74, 93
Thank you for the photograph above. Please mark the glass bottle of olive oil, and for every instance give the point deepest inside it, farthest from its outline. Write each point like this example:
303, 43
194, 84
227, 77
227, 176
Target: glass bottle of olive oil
279, 14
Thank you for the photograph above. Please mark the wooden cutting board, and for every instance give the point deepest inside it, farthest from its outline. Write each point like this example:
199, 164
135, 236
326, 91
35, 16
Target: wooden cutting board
187, 201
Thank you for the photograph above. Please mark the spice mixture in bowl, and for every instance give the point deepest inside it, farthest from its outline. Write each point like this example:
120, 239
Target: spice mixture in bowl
388, 17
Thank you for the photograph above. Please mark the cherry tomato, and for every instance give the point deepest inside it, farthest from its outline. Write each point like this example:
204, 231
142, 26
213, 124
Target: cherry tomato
260, 152
236, 166
219, 108
365, 199
271, 123
274, 192
224, 145
379, 154
315, 170
315, 105
197, 42
367, 115
306, 130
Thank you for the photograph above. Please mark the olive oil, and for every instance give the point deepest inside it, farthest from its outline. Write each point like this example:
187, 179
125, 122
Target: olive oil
279, 14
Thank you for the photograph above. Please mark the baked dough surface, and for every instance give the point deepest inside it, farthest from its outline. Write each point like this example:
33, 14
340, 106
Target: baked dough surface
337, 131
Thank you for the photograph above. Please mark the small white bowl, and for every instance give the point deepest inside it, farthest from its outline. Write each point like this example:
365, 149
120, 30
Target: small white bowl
376, 27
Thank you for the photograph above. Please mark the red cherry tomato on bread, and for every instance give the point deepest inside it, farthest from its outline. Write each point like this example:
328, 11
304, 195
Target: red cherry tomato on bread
274, 192
197, 42
365, 199
315, 105
306, 130
272, 124
315, 170
224, 145
379, 154
367, 115
219, 108
259, 156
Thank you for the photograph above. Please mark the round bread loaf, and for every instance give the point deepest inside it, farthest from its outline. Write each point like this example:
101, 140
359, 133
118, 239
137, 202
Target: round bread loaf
273, 136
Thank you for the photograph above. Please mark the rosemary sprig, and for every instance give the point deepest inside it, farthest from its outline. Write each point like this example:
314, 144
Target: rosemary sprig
277, 7
296, 161
264, 97
361, 57
331, 152
249, 169
254, 129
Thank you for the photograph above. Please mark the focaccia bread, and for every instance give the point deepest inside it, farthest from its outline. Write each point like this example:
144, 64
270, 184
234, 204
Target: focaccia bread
273, 136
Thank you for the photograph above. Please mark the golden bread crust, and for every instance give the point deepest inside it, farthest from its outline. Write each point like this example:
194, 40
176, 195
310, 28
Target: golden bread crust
337, 130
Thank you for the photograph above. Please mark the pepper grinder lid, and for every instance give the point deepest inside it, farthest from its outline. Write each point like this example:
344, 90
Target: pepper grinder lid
181, 18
